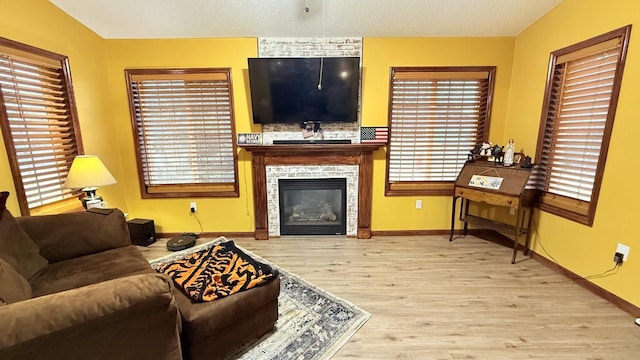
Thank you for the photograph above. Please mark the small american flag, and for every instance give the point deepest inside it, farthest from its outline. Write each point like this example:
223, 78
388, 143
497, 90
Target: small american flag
374, 135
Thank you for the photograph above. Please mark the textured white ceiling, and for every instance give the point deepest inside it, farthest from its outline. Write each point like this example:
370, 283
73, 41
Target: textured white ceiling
121, 19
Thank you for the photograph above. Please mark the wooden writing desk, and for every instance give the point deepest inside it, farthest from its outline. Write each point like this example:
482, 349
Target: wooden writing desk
511, 193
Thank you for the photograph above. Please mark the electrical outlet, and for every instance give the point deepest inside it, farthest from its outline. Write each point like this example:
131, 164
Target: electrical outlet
624, 250
418, 204
192, 207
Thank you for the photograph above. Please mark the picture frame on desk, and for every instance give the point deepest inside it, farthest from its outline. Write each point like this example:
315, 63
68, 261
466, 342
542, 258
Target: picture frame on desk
518, 158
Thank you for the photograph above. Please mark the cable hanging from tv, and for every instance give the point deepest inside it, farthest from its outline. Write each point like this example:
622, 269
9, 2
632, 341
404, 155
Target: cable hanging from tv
321, 68
307, 9
322, 57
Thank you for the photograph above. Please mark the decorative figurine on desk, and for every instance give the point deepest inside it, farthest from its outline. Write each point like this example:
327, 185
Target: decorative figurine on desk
527, 163
508, 155
498, 153
485, 149
480, 150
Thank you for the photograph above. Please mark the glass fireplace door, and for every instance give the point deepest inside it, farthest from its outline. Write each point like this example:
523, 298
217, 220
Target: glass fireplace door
313, 206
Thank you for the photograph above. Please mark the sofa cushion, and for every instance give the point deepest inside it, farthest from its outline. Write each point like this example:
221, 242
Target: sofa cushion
89, 269
13, 286
67, 236
16, 247
132, 318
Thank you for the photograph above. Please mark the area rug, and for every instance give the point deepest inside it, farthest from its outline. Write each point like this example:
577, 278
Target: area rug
312, 323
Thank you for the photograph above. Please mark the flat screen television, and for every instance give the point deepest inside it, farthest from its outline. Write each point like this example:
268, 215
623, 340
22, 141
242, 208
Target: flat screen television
295, 90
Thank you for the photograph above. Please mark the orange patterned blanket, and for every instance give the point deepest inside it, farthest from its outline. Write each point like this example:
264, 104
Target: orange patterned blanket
217, 272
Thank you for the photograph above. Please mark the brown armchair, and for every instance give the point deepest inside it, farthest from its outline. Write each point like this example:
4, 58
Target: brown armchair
73, 287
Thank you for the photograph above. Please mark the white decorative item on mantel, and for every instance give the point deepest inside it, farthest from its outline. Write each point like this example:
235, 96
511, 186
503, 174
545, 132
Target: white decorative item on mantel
250, 138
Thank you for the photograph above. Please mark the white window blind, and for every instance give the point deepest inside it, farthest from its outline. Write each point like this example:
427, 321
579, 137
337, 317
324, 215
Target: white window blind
38, 123
436, 117
577, 124
185, 132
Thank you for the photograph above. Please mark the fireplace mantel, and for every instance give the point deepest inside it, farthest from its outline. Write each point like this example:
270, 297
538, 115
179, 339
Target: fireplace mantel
312, 154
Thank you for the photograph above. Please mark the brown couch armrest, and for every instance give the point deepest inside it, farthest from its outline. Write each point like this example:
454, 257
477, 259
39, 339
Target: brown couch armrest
129, 318
66, 236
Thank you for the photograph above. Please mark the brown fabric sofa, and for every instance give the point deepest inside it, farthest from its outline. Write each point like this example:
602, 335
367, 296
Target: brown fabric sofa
73, 287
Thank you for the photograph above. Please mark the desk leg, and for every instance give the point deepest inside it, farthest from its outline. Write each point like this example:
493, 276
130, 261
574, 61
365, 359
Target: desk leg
465, 205
453, 217
516, 237
529, 229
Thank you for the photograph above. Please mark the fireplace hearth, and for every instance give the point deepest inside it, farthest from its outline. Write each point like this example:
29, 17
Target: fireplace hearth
313, 206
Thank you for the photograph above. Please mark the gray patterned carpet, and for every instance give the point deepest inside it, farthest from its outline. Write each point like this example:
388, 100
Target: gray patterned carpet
312, 324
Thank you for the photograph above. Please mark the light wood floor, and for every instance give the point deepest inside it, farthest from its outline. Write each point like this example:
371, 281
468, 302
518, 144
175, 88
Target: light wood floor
432, 299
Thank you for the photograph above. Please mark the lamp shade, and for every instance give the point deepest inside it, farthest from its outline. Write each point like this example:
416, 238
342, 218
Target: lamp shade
88, 171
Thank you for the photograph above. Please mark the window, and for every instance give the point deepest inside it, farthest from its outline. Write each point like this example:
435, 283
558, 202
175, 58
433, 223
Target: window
184, 132
39, 124
577, 119
437, 115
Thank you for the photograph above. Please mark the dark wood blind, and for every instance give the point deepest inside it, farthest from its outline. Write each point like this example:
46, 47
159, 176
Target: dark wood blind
184, 130
577, 121
38, 123
437, 115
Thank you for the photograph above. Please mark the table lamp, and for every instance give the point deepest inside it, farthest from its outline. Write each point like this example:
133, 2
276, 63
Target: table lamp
87, 172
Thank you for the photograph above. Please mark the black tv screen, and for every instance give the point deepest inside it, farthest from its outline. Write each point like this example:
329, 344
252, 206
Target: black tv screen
295, 90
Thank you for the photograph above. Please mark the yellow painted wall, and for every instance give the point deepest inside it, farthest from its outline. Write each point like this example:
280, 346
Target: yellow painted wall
379, 54
172, 215
235, 214
39, 23
97, 67
582, 249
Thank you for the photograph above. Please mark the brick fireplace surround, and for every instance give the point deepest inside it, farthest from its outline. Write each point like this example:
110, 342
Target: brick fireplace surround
360, 155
